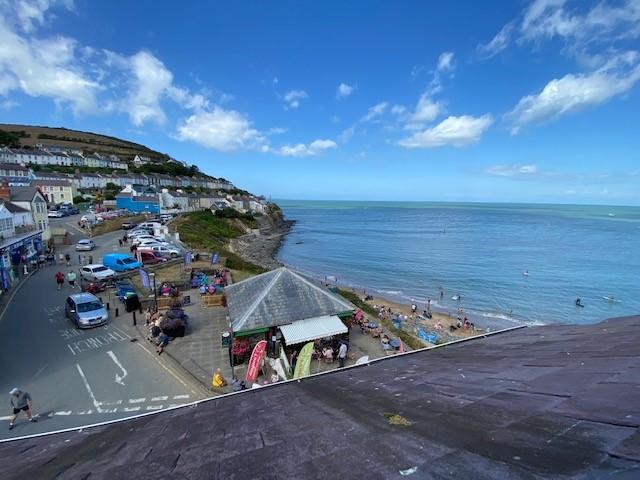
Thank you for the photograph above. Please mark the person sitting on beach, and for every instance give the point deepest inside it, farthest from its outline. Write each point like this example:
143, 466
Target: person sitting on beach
438, 325
165, 290
385, 342
203, 289
414, 307
452, 328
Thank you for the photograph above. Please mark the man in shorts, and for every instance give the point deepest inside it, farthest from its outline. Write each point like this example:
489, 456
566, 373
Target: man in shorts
59, 279
71, 278
20, 402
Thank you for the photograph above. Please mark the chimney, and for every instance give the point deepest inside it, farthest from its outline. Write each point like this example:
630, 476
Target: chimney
5, 191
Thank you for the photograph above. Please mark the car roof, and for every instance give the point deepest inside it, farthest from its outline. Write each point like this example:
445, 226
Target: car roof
83, 297
116, 255
85, 240
94, 265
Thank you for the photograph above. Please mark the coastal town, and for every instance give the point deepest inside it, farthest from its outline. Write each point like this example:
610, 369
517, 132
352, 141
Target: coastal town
319, 240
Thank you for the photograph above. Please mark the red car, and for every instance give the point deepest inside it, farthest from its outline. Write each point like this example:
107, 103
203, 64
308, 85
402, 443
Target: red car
150, 258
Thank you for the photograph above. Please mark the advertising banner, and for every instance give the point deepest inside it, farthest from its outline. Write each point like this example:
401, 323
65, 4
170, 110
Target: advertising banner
253, 370
303, 365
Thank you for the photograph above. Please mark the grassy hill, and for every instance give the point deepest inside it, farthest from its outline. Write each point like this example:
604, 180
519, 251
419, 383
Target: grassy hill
29, 136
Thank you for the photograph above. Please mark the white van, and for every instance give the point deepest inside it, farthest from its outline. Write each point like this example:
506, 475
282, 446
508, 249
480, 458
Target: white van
151, 225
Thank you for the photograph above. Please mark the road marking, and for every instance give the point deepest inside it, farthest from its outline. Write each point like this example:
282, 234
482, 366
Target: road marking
119, 379
136, 400
178, 397
93, 343
66, 412
117, 402
158, 399
154, 407
86, 384
39, 371
132, 409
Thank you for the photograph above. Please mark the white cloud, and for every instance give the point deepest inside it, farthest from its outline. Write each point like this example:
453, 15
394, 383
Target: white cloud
445, 62
456, 131
585, 31
426, 111
150, 82
292, 98
575, 92
374, 112
512, 170
45, 67
30, 14
398, 110
223, 130
301, 150
497, 43
344, 90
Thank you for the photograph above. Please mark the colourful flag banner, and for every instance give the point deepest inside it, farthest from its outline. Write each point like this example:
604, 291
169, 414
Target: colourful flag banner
253, 369
401, 349
144, 279
303, 365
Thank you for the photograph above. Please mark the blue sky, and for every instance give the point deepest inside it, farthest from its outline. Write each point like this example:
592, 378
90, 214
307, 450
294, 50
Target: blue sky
526, 101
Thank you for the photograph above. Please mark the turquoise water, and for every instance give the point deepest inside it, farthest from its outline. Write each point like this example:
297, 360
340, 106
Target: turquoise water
405, 251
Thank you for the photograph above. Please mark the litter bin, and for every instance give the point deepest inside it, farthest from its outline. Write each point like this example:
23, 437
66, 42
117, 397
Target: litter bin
131, 303
226, 339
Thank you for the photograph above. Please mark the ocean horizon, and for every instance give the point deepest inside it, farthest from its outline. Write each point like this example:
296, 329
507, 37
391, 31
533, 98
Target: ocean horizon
511, 263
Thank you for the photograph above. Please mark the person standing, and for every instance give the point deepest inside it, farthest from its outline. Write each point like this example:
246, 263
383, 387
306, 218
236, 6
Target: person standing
59, 279
294, 361
67, 258
20, 402
342, 354
71, 278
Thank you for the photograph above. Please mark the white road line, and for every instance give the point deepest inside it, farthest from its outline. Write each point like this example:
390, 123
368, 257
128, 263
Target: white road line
154, 407
178, 397
132, 409
117, 402
157, 399
67, 412
172, 405
86, 384
136, 400
119, 379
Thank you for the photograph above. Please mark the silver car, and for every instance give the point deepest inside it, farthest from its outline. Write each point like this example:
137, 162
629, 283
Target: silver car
85, 245
86, 310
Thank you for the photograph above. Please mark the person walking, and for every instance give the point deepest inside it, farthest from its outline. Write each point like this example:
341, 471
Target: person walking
71, 278
59, 279
67, 258
20, 402
342, 354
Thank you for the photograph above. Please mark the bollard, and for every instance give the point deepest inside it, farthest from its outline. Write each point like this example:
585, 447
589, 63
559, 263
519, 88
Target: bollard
134, 318
108, 306
116, 311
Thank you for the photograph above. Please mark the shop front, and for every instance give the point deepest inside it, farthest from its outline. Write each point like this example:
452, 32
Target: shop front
16, 253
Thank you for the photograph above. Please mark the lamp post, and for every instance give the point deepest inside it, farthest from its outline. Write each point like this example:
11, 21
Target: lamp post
155, 292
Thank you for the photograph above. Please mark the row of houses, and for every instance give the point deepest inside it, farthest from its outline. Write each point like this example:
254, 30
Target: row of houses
63, 187
24, 229
146, 198
66, 158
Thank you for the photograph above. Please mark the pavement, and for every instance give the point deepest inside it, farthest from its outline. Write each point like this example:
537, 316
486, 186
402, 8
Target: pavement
79, 377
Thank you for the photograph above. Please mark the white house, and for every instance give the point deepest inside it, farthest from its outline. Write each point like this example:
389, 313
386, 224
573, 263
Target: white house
59, 158
92, 180
256, 206
139, 160
174, 200
15, 175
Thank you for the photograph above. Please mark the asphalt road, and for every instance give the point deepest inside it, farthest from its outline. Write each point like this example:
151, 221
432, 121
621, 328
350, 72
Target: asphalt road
78, 377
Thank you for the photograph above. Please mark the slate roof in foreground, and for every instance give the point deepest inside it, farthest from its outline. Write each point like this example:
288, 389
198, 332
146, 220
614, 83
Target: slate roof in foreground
547, 402
279, 297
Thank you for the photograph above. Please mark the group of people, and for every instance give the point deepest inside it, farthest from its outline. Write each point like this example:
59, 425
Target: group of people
70, 277
165, 326
327, 350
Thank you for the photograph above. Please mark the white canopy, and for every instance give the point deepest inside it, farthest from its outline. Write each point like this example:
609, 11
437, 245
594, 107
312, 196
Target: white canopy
312, 328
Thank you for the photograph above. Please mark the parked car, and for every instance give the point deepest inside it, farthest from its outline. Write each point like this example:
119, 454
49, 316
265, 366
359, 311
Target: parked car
128, 225
144, 238
163, 250
150, 258
55, 214
69, 209
85, 245
137, 232
96, 272
150, 225
120, 262
86, 310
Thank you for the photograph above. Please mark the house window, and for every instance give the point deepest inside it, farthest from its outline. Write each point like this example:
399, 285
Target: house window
42, 224
62, 195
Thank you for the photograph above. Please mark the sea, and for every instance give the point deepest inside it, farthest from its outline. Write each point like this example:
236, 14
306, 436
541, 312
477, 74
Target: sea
508, 263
